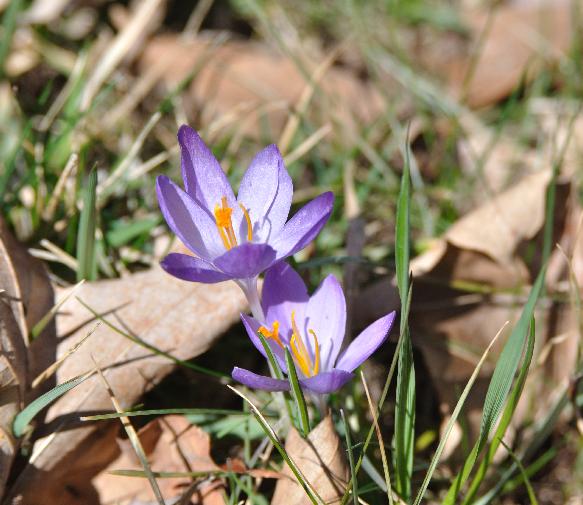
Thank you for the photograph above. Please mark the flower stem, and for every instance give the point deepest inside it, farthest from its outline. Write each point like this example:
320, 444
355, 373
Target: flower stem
249, 288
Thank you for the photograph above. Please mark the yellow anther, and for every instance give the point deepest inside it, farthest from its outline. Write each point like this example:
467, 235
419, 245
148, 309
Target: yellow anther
300, 358
249, 226
316, 352
223, 215
300, 351
273, 333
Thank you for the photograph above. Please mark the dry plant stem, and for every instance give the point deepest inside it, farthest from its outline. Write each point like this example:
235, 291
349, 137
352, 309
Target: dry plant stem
380, 438
133, 436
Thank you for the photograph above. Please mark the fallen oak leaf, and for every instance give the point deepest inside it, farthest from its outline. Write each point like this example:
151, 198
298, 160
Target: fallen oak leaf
183, 319
25, 296
178, 452
320, 457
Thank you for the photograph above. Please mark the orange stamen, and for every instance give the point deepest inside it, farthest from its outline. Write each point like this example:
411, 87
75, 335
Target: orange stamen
224, 224
300, 358
316, 352
249, 226
273, 333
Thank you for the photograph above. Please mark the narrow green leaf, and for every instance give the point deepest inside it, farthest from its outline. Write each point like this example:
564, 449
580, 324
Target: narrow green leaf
455, 414
277, 373
86, 233
506, 417
402, 232
499, 387
404, 438
310, 491
381, 402
350, 458
524, 475
297, 393
23, 418
273, 365
160, 412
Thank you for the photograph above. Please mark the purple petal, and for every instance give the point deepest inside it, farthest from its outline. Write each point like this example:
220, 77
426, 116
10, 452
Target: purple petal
192, 269
204, 179
188, 220
252, 326
255, 381
301, 229
284, 291
327, 382
266, 192
246, 261
326, 316
366, 343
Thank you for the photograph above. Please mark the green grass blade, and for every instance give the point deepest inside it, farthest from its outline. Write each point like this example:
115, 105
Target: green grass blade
452, 420
404, 438
277, 373
297, 394
310, 491
163, 412
384, 393
499, 387
350, 457
402, 232
524, 475
9, 22
86, 233
505, 419
273, 365
23, 418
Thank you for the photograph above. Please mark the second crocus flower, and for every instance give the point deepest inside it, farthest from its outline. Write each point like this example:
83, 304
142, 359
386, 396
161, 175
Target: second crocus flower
312, 328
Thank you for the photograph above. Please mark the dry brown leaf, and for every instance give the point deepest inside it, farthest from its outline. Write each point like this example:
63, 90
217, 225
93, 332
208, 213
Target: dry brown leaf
25, 297
452, 326
321, 460
521, 37
178, 317
250, 81
172, 444
494, 230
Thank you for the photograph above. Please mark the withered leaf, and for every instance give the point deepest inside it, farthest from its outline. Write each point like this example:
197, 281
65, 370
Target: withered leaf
322, 461
180, 318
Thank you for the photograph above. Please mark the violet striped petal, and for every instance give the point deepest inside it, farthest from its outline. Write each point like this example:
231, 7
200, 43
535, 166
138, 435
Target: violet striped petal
366, 343
204, 179
284, 292
188, 220
326, 382
303, 227
256, 381
266, 192
192, 269
246, 260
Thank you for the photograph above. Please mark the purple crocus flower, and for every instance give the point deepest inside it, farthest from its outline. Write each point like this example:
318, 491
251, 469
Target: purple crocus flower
312, 328
234, 238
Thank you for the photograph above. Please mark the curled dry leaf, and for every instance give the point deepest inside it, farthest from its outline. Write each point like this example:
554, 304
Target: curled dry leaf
180, 318
475, 278
25, 297
321, 459
172, 444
